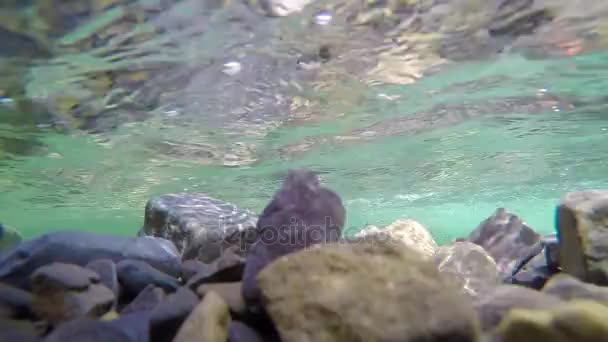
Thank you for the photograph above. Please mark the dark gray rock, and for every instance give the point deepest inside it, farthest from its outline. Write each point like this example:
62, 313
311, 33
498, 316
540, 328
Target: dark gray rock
581, 224
200, 226
146, 300
493, 306
18, 331
240, 332
126, 328
507, 239
135, 275
106, 269
15, 303
468, 265
227, 268
551, 243
534, 274
539, 265
63, 276
80, 248
192, 267
56, 304
166, 318
86, 329
230, 292
568, 287
301, 214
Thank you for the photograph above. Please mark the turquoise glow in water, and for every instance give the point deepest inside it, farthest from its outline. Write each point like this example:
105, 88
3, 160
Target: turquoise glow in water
446, 151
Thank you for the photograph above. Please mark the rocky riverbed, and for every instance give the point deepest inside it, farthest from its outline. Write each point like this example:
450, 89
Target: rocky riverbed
202, 269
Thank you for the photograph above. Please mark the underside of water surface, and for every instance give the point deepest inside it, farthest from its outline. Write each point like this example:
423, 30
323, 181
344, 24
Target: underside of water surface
432, 113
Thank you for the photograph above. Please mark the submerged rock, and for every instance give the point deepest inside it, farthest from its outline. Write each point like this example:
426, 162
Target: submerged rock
579, 320
568, 287
18, 331
230, 293
146, 300
494, 305
301, 214
406, 231
507, 239
240, 332
200, 226
469, 266
80, 248
581, 224
9, 238
208, 322
167, 317
227, 268
15, 303
106, 269
135, 275
63, 292
364, 291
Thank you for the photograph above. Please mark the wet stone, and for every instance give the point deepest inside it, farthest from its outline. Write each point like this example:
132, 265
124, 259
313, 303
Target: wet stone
168, 316
507, 239
208, 322
63, 305
534, 274
63, 276
86, 329
192, 267
227, 268
240, 332
302, 212
469, 266
493, 306
200, 226
146, 300
578, 320
363, 292
18, 331
63, 292
581, 224
106, 269
15, 303
80, 248
406, 231
135, 275
230, 293
568, 287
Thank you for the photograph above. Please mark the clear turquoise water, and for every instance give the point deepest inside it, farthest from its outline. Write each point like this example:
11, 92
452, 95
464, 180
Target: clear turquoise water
470, 156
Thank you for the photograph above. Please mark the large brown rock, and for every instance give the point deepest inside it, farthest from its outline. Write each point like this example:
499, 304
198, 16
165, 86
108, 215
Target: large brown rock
576, 321
406, 231
364, 291
583, 234
469, 266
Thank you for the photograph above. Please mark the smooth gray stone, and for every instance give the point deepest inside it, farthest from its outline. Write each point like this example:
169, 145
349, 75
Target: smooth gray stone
80, 248
135, 275
107, 273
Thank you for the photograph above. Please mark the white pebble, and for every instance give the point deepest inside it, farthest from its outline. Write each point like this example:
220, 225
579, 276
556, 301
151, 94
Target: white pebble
323, 18
231, 68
